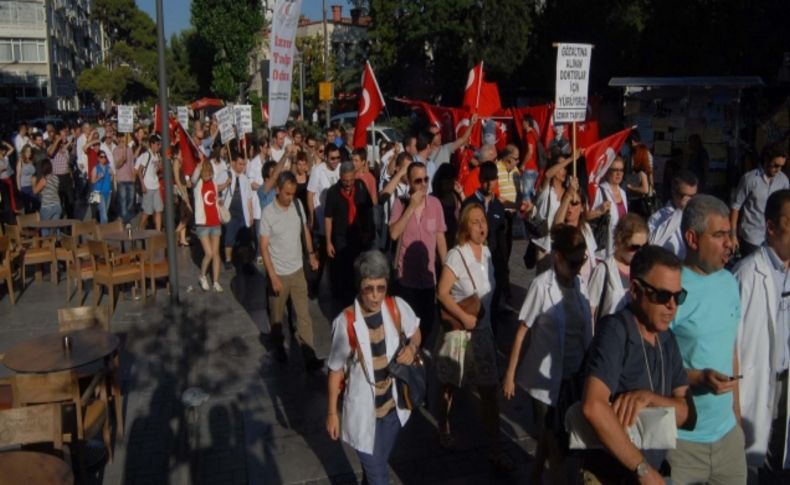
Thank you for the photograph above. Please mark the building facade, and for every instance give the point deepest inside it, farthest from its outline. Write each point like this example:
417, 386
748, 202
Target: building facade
44, 46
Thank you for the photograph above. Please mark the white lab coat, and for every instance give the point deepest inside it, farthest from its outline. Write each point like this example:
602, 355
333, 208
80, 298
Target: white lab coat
358, 424
541, 371
607, 275
756, 334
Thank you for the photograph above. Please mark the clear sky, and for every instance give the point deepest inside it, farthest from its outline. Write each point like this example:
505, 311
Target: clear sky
177, 11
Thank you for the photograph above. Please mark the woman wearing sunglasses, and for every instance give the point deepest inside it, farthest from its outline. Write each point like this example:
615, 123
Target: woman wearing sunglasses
556, 314
468, 271
573, 211
611, 278
611, 198
365, 338
101, 183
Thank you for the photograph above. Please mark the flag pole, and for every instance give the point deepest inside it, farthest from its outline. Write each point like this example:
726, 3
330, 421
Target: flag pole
573, 150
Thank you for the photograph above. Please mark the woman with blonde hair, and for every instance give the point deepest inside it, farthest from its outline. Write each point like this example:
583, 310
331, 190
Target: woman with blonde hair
468, 272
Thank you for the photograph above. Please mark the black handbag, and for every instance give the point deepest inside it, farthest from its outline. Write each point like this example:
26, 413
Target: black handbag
600, 226
411, 379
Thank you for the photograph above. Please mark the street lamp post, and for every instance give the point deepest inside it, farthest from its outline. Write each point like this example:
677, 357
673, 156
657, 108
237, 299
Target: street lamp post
164, 116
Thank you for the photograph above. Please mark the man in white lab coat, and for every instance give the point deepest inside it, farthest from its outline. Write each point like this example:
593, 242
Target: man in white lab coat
764, 346
665, 223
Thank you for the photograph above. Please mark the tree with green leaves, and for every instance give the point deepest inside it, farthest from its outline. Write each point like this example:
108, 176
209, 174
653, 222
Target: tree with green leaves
311, 50
232, 30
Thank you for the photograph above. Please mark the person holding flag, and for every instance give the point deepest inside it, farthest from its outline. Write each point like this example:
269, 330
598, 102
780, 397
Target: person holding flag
371, 102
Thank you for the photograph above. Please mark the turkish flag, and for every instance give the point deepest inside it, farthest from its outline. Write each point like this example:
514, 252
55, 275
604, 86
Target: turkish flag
371, 102
462, 118
157, 119
542, 116
190, 157
599, 156
502, 134
481, 97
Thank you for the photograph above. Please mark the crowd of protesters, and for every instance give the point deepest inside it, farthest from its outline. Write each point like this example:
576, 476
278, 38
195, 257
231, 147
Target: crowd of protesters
632, 306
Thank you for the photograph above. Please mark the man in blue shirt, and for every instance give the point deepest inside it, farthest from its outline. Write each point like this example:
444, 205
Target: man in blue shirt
706, 327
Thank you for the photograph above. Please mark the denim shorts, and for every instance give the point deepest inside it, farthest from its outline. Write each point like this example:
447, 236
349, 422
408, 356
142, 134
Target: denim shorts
205, 231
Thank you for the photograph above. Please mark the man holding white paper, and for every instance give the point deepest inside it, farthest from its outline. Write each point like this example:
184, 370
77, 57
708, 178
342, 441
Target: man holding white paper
633, 363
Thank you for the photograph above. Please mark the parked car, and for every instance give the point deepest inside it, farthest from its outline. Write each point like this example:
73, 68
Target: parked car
382, 132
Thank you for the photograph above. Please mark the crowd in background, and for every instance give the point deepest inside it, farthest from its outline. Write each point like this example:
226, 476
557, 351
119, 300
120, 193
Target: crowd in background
678, 302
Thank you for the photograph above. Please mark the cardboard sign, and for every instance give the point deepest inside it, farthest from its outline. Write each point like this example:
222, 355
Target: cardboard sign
225, 121
125, 118
573, 79
183, 116
243, 117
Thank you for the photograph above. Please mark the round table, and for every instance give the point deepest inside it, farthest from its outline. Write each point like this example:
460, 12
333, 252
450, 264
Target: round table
51, 223
44, 354
29, 467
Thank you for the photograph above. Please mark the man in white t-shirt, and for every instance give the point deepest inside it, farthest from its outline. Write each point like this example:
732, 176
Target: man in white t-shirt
21, 139
322, 177
279, 142
146, 168
82, 158
108, 144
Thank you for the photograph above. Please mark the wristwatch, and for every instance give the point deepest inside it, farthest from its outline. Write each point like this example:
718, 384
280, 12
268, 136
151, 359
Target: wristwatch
642, 469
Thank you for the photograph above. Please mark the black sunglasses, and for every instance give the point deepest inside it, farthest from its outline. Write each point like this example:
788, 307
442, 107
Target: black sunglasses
634, 247
659, 296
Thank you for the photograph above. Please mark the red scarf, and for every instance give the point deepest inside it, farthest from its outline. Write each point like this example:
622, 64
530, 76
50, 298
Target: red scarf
352, 208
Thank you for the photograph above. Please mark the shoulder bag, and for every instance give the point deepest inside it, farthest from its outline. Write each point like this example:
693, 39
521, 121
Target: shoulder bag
655, 427
471, 304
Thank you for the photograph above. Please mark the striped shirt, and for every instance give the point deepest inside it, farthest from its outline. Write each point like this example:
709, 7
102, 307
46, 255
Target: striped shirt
507, 186
381, 375
49, 194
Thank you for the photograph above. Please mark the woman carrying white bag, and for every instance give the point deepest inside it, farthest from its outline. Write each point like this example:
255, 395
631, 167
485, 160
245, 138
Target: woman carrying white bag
467, 352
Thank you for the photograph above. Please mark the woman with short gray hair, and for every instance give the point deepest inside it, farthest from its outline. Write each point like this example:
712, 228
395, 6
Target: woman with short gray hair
365, 339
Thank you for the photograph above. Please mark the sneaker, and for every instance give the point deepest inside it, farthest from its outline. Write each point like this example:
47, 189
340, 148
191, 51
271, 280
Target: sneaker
218, 287
203, 283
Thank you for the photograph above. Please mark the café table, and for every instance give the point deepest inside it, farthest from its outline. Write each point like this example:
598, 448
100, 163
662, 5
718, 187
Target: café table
125, 237
30, 467
51, 224
47, 353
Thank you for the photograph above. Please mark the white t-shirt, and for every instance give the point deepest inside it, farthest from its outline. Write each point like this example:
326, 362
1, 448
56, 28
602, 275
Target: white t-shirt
321, 178
255, 170
482, 271
283, 227
148, 164
220, 172
108, 150
82, 157
19, 142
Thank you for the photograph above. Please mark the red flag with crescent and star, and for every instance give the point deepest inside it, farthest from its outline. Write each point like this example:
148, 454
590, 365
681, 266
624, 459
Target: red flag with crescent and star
481, 97
371, 102
599, 156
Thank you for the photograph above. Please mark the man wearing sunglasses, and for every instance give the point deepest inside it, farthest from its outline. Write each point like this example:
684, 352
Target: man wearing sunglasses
753, 190
764, 345
665, 223
706, 327
634, 362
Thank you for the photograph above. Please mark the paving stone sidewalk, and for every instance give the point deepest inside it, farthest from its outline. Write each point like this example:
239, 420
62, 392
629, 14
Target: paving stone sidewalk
262, 421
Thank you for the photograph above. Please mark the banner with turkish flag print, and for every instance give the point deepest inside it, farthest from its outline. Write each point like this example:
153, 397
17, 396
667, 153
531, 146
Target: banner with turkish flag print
541, 114
599, 156
481, 97
371, 102
265, 113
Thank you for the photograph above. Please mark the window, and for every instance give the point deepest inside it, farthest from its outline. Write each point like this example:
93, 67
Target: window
23, 50
24, 14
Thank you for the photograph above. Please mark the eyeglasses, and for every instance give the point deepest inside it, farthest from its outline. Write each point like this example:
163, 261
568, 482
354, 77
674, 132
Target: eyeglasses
370, 289
419, 181
776, 165
102, 156
661, 297
576, 202
634, 247
334, 158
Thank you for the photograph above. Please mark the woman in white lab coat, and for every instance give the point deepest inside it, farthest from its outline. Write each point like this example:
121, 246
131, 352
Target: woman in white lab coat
372, 418
611, 197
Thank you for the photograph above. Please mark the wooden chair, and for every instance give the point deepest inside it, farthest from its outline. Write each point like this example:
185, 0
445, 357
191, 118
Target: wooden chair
111, 271
156, 265
33, 250
90, 406
81, 232
113, 227
78, 267
6, 270
81, 318
29, 425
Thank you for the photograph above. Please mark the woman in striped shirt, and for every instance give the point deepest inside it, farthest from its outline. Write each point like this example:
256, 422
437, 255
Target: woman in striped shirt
46, 187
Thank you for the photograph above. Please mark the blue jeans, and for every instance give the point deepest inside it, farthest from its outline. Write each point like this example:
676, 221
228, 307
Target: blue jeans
48, 213
126, 201
29, 199
104, 205
375, 465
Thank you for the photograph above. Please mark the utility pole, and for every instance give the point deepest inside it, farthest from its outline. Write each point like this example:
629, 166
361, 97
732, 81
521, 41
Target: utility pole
326, 61
170, 228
